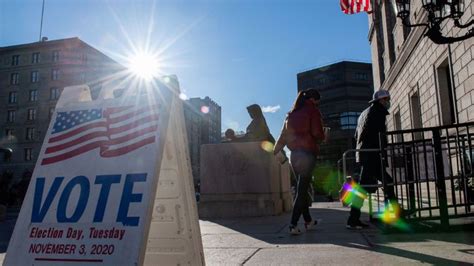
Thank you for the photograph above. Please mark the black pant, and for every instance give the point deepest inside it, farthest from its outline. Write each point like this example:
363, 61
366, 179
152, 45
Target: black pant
303, 164
369, 176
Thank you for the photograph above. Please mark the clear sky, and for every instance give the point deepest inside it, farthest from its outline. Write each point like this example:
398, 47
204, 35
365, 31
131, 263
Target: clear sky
237, 52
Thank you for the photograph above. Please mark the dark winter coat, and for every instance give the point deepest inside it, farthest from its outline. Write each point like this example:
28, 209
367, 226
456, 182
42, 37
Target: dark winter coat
257, 130
370, 124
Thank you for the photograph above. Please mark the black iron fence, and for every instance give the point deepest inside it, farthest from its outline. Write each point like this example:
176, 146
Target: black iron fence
432, 171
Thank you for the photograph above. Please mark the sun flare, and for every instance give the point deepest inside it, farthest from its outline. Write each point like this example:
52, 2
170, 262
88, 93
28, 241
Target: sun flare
144, 66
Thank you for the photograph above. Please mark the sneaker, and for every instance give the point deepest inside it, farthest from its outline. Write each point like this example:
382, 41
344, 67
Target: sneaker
294, 230
361, 224
353, 226
310, 225
407, 213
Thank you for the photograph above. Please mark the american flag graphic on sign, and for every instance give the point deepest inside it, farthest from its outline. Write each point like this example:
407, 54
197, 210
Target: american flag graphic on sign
114, 131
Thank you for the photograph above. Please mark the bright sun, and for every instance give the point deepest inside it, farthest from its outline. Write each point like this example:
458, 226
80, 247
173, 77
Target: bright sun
144, 66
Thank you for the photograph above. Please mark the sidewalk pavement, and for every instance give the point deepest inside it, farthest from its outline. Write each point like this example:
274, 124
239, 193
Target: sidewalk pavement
265, 241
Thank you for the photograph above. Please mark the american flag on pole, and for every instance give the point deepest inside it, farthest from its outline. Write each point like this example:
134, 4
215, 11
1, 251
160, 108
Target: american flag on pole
115, 131
355, 6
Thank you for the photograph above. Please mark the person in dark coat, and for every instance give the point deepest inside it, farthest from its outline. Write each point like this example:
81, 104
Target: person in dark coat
257, 130
230, 135
369, 125
302, 133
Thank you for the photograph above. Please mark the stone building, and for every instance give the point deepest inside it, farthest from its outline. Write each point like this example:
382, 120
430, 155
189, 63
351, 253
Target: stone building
430, 84
345, 88
203, 124
32, 77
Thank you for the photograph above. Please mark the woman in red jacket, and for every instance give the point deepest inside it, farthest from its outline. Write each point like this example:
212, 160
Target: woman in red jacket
302, 133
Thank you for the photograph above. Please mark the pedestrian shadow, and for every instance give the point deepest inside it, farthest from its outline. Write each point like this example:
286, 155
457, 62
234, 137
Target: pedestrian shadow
272, 230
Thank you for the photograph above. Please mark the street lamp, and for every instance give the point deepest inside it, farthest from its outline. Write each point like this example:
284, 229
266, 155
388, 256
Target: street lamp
438, 11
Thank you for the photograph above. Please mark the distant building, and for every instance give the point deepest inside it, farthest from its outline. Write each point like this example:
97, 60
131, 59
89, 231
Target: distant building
345, 88
203, 124
32, 77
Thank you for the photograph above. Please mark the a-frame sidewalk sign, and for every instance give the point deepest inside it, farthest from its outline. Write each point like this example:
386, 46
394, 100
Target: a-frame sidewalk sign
112, 184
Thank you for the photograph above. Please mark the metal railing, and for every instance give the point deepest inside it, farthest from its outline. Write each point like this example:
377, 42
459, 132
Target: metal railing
344, 157
433, 170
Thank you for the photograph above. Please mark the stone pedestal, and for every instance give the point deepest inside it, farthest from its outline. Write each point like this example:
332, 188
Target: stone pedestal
241, 179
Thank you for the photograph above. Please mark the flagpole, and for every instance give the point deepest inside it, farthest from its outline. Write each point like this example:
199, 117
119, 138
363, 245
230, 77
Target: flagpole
41, 24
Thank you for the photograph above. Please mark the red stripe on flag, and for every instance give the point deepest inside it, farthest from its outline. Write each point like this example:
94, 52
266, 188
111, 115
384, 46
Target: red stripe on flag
112, 110
344, 5
127, 116
77, 131
75, 142
72, 153
355, 6
129, 148
133, 124
131, 136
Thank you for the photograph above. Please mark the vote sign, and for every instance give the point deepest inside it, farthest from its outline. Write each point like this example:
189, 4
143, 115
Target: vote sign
89, 197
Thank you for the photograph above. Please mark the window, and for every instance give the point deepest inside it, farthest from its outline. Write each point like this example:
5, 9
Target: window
30, 133
361, 76
321, 81
84, 58
54, 93
397, 124
391, 20
14, 78
348, 120
12, 97
417, 121
406, 31
35, 58
11, 116
55, 56
31, 114
28, 154
55, 74
15, 60
34, 76
446, 95
33, 95
9, 134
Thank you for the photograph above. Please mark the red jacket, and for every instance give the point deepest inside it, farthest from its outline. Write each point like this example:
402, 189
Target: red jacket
302, 130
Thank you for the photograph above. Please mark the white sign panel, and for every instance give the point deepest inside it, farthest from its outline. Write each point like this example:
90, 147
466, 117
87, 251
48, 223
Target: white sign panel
91, 192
